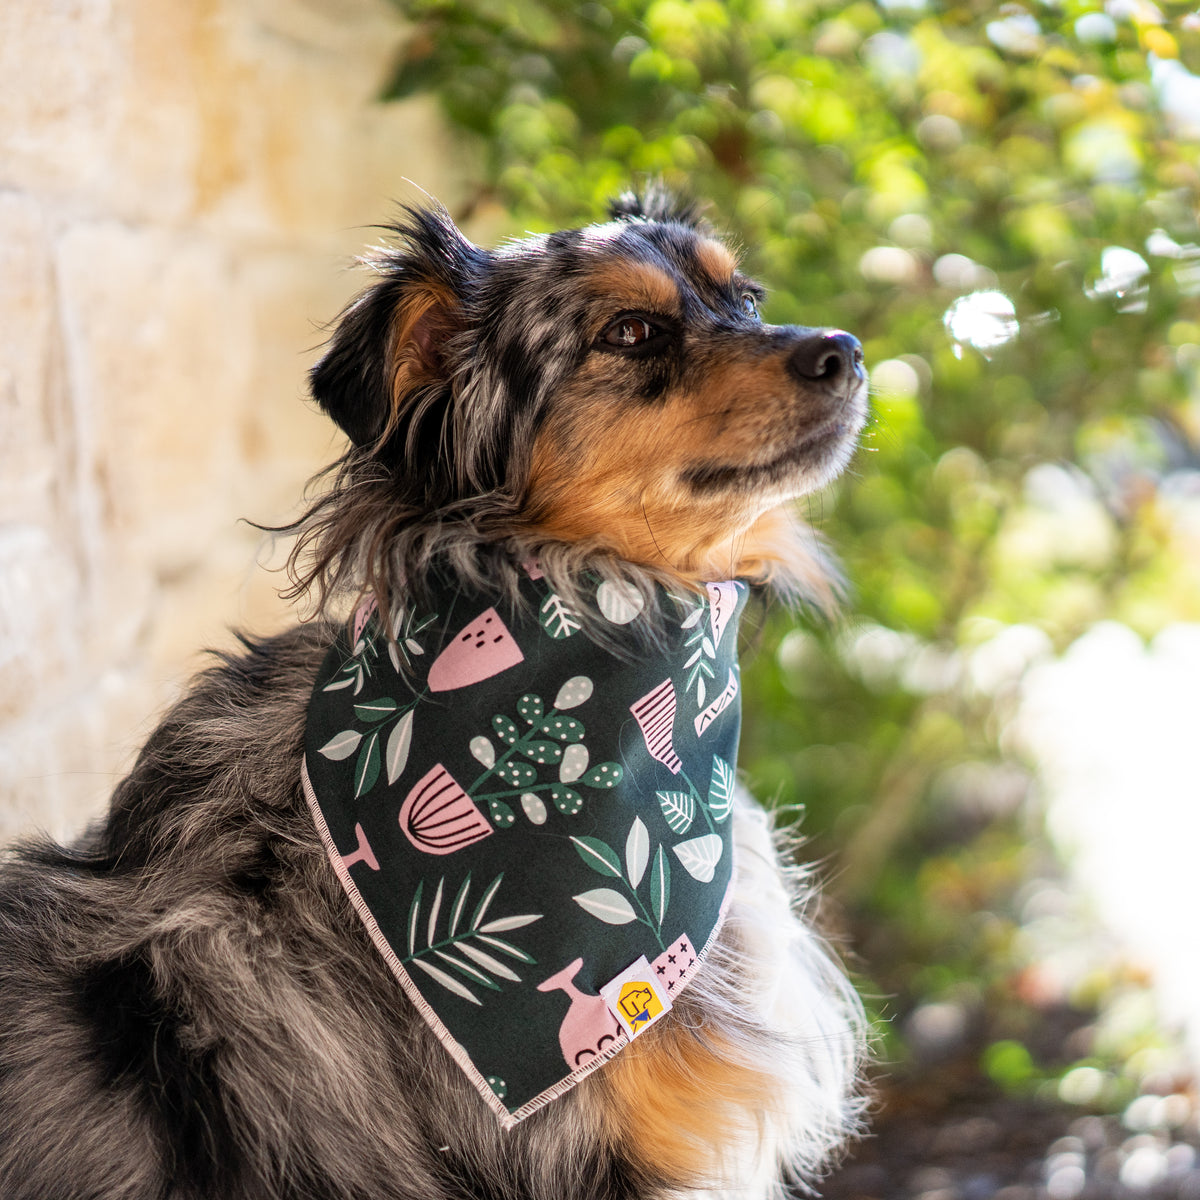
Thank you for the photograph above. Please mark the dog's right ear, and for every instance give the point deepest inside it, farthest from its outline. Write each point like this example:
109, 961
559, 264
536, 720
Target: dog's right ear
389, 341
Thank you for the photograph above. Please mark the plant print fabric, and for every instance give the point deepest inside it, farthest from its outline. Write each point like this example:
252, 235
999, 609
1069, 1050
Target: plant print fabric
521, 815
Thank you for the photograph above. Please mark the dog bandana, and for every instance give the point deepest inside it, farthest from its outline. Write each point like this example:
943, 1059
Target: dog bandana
534, 829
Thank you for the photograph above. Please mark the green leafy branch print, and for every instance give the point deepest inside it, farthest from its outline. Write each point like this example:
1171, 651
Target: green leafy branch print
699, 663
550, 739
679, 808
377, 754
557, 619
372, 760
613, 907
356, 669
473, 941
404, 642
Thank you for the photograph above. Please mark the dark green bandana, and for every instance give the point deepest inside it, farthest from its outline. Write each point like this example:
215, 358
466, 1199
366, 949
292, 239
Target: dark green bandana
535, 830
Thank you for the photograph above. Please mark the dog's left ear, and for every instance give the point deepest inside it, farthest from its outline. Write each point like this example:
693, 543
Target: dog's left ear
389, 343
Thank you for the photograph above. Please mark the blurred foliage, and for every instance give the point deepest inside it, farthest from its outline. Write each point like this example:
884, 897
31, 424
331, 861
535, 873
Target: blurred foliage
1002, 203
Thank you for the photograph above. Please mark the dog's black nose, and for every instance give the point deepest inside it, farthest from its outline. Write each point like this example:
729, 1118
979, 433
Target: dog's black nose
827, 356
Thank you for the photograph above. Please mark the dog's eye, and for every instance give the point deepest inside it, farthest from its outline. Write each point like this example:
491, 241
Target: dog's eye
750, 304
625, 332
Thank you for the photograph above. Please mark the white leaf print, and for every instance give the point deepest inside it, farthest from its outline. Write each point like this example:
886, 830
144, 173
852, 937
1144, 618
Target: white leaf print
484, 751
573, 693
535, 808
557, 619
620, 602
459, 903
486, 960
398, 744
488, 895
503, 924
637, 852
448, 982
678, 809
574, 762
466, 969
700, 856
341, 745
433, 913
610, 907
720, 790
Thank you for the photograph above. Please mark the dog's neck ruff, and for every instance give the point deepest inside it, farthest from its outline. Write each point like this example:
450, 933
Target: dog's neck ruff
535, 829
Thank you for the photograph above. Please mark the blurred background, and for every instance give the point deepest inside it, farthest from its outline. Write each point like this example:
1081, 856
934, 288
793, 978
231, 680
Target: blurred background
992, 753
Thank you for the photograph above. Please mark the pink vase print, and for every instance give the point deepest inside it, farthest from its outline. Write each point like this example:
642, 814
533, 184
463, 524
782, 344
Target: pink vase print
363, 854
655, 713
438, 817
589, 1027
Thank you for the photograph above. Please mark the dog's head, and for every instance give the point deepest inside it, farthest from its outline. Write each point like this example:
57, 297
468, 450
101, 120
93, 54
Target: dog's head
612, 386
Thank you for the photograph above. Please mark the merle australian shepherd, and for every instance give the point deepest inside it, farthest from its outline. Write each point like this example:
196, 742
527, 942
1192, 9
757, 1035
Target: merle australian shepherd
189, 1006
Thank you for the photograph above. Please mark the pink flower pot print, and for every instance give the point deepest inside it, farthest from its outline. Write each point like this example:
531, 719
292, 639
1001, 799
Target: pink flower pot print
480, 650
589, 1026
655, 713
438, 817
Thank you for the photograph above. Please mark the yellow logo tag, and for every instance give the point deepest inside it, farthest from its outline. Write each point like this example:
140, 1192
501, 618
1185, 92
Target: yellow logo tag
634, 998
639, 1004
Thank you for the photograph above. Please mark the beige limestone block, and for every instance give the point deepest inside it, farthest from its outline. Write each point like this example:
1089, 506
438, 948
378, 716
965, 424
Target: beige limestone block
29, 392
181, 187
59, 67
159, 357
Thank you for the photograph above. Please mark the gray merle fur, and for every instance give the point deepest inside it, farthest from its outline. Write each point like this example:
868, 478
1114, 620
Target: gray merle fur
190, 1009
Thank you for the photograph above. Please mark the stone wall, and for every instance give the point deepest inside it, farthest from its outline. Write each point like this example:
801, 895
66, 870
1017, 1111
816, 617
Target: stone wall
182, 185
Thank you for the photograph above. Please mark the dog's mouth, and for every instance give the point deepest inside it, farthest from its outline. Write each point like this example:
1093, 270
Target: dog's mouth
817, 455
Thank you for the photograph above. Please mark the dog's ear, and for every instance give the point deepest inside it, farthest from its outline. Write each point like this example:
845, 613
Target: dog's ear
656, 202
390, 340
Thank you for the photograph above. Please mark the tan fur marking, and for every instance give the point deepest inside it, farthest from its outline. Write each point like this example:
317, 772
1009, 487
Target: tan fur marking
618, 481
681, 1099
716, 260
635, 285
615, 475
432, 309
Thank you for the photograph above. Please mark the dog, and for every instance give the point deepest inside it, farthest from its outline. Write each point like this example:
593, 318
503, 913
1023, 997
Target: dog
190, 1005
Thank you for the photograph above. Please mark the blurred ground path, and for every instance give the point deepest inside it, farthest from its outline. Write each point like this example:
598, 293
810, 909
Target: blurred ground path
1115, 728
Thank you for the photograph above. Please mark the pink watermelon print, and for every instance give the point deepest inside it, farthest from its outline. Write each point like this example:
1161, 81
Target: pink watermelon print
483, 648
655, 713
438, 817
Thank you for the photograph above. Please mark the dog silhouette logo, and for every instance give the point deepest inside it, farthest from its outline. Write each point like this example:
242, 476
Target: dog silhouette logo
635, 999
639, 1003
